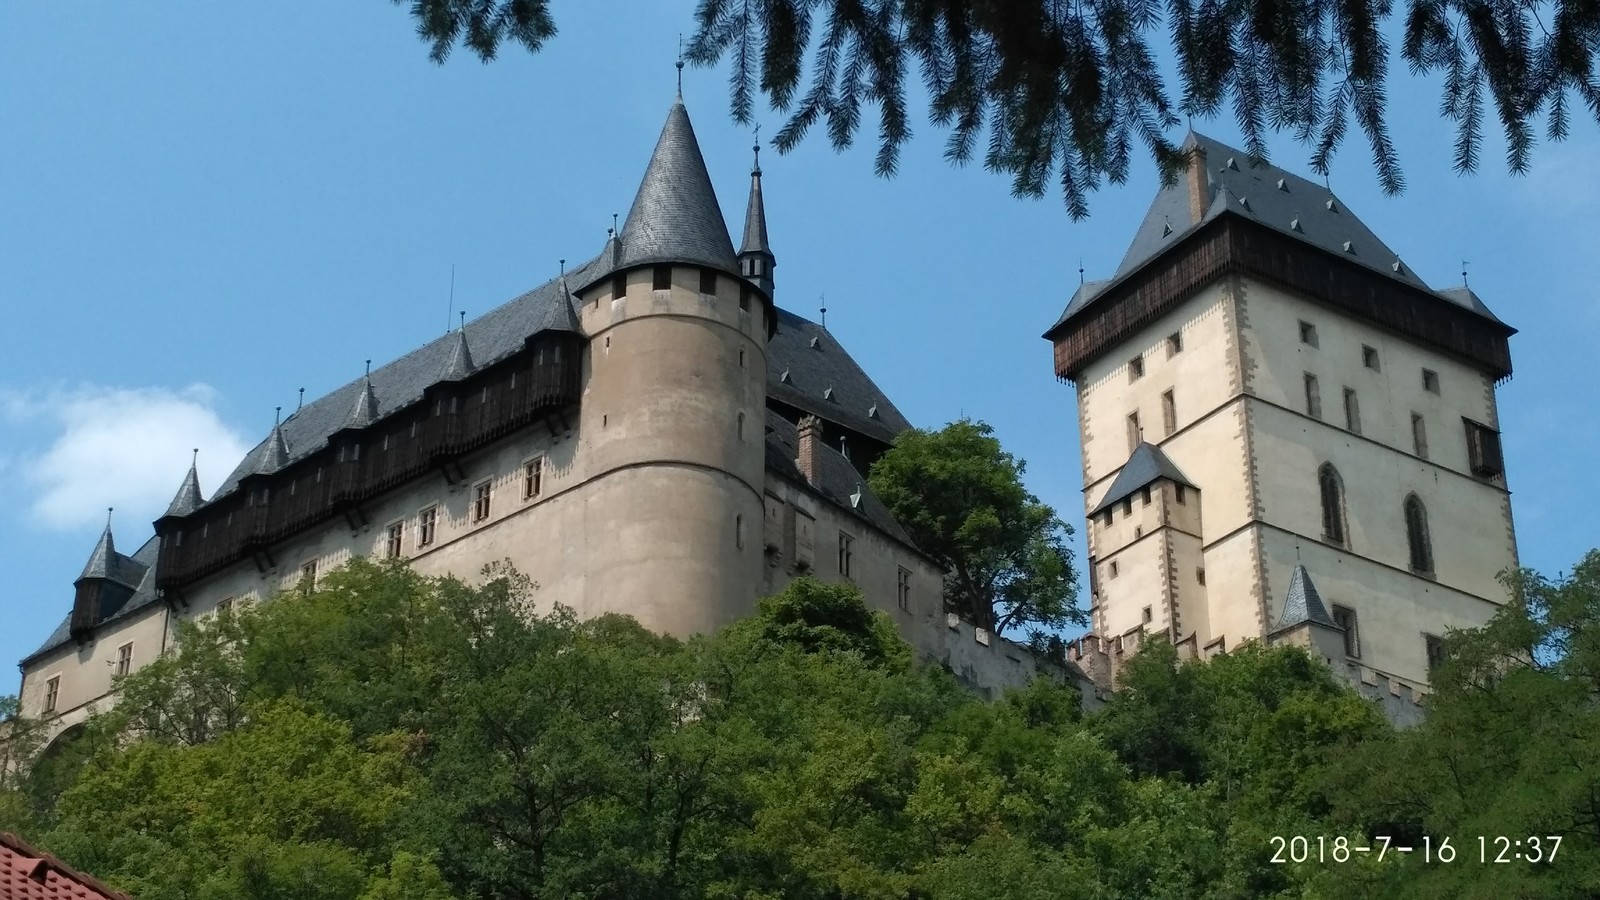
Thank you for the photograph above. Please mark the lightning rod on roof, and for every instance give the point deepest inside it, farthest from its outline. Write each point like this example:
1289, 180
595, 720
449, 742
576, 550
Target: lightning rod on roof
452, 308
369, 367
680, 65
302, 400
463, 320
823, 299
563, 266
1463, 273
277, 416
109, 510
613, 223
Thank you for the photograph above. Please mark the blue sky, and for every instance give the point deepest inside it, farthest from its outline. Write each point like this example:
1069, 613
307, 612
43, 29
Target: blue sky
205, 207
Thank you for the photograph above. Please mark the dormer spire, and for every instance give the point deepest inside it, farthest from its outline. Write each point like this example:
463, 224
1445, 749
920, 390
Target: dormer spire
459, 365
275, 454
188, 497
100, 559
756, 260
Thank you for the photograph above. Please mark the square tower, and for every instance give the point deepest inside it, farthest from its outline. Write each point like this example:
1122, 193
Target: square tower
1287, 393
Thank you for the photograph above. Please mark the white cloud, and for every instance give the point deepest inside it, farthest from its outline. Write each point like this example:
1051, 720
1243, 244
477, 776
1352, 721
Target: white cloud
121, 447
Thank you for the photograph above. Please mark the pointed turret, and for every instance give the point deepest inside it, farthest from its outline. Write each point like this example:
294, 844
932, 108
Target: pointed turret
188, 498
756, 261
459, 365
1303, 603
365, 412
675, 217
274, 454
102, 558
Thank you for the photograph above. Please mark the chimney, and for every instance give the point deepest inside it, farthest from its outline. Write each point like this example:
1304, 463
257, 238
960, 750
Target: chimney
810, 440
1199, 194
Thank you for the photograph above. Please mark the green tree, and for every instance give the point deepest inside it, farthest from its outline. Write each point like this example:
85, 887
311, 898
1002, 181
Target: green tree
960, 497
1065, 90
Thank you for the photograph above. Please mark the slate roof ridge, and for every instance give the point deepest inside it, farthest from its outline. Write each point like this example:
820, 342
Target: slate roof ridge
1302, 603
1146, 464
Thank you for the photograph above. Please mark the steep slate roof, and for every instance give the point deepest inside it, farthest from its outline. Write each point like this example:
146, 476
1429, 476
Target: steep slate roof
855, 403
492, 336
675, 216
365, 412
188, 499
755, 215
837, 479
459, 366
102, 559
1275, 197
1303, 603
27, 873
136, 571
1145, 465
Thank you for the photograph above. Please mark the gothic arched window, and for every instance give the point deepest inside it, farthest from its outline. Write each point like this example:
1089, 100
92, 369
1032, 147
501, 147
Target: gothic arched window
1417, 535
1331, 488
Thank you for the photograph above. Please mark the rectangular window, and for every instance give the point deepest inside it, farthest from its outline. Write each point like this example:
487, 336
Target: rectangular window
744, 298
52, 693
845, 553
738, 531
533, 478
1174, 344
1145, 500
1352, 412
1483, 450
1111, 570
1419, 435
903, 589
1433, 646
1345, 617
708, 281
1308, 334
1200, 575
308, 576
1430, 381
1313, 397
1135, 433
661, 278
481, 495
394, 539
1146, 615
1127, 507
1169, 412
1136, 368
1105, 520
619, 287
1369, 358
1181, 493
124, 659
427, 525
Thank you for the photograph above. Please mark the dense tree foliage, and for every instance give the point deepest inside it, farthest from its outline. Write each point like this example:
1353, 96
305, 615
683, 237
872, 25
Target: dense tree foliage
394, 736
1050, 90
960, 497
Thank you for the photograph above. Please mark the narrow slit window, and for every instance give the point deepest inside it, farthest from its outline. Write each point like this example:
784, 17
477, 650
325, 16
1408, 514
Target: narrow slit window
1313, 397
1331, 488
1419, 435
1352, 411
1169, 412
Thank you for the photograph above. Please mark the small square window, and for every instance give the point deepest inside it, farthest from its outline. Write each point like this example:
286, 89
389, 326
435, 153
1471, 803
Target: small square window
1308, 334
52, 693
1430, 381
1174, 344
1136, 368
1111, 570
708, 281
661, 278
124, 659
533, 478
427, 526
1369, 358
394, 539
903, 589
482, 494
1345, 618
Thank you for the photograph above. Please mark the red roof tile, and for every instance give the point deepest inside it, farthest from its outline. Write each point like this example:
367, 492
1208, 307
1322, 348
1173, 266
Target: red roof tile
30, 874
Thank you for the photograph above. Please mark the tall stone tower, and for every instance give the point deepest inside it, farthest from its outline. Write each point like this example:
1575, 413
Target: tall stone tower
674, 402
1268, 398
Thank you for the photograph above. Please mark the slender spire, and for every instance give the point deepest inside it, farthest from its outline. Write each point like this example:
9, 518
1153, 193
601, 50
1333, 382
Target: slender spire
101, 559
675, 217
365, 412
275, 455
756, 260
188, 498
459, 365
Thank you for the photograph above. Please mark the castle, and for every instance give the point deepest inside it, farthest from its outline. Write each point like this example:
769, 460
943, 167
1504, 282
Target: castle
650, 434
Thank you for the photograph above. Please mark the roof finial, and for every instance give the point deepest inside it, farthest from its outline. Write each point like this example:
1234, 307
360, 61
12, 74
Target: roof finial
680, 65
1080, 270
300, 405
452, 307
1297, 552
757, 149
463, 320
194, 458
563, 266
823, 299
109, 510
277, 416
1463, 273
613, 223
369, 368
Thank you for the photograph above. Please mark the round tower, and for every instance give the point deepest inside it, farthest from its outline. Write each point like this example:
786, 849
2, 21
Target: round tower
673, 410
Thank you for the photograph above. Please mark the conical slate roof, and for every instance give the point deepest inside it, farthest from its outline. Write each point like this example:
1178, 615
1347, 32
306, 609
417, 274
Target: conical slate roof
103, 559
1303, 603
365, 412
274, 454
459, 365
188, 497
675, 216
1146, 464
755, 216
560, 314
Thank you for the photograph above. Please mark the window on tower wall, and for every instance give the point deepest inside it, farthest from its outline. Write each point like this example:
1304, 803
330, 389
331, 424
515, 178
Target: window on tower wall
1419, 435
1135, 433
619, 287
1352, 412
1136, 368
1345, 617
1417, 540
1483, 450
1430, 381
1308, 334
1180, 493
427, 526
482, 494
393, 538
1313, 397
661, 278
1169, 413
1433, 646
52, 693
124, 659
1174, 344
846, 553
903, 589
1331, 488
708, 281
533, 478
1369, 358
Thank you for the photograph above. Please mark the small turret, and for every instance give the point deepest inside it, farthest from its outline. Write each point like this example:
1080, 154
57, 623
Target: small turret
97, 590
188, 498
459, 365
756, 261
